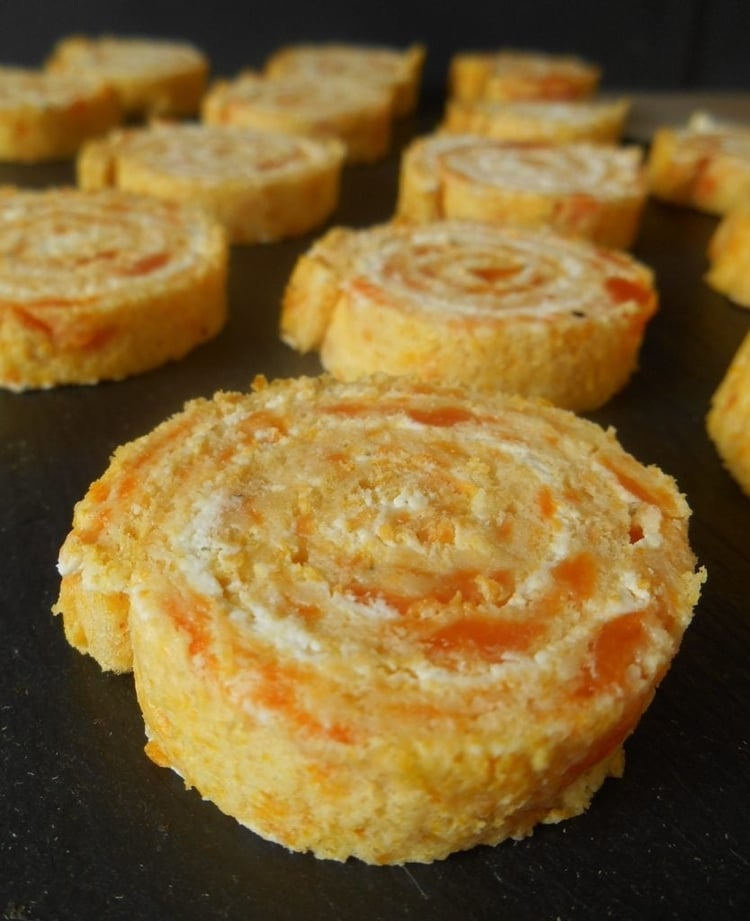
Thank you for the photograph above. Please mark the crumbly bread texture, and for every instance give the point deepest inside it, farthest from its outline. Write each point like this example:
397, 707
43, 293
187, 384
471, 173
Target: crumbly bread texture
538, 121
151, 76
502, 308
508, 75
729, 255
399, 71
401, 619
728, 420
594, 191
703, 165
260, 186
357, 114
45, 117
102, 285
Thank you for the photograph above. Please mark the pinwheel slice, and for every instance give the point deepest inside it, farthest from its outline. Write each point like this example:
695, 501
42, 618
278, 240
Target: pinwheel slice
545, 122
151, 76
595, 191
703, 165
729, 255
400, 619
48, 118
399, 71
101, 285
523, 311
260, 186
728, 420
508, 74
331, 107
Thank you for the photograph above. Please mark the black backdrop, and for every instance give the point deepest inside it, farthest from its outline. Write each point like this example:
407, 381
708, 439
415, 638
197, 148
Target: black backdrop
90, 830
649, 44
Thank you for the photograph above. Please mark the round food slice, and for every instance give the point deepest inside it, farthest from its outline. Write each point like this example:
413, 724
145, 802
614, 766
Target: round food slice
399, 71
260, 186
151, 76
729, 255
44, 117
329, 107
401, 619
595, 191
703, 165
101, 285
502, 308
728, 420
508, 75
544, 122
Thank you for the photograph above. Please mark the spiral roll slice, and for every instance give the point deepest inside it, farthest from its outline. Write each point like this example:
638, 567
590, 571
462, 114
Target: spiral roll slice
151, 76
729, 255
400, 619
523, 311
332, 107
400, 72
260, 186
48, 118
704, 165
101, 285
728, 420
508, 75
595, 191
538, 121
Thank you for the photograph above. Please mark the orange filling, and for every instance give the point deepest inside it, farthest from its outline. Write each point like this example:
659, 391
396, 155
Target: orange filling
484, 637
623, 289
613, 651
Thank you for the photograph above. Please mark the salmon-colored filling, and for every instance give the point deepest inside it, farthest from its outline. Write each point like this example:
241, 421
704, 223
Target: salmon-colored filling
614, 649
623, 289
577, 576
484, 637
441, 417
546, 502
146, 264
653, 497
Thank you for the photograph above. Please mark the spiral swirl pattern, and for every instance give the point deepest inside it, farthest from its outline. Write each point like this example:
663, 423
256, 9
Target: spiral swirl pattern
261, 186
519, 310
360, 115
98, 285
384, 601
594, 191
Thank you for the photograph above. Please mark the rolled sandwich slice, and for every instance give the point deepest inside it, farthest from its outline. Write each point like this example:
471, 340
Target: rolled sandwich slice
330, 107
151, 76
260, 186
704, 165
594, 191
45, 117
538, 121
397, 70
401, 619
509, 74
102, 285
728, 420
729, 255
502, 308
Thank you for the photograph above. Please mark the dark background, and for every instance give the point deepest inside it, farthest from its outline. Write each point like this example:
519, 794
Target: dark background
90, 830
648, 44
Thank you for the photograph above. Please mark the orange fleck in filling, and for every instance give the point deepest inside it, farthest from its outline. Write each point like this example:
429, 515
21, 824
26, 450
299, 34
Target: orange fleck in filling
146, 264
577, 576
484, 637
546, 501
623, 289
613, 651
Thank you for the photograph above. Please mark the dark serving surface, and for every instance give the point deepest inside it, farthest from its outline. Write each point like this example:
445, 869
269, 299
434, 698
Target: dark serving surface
91, 829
